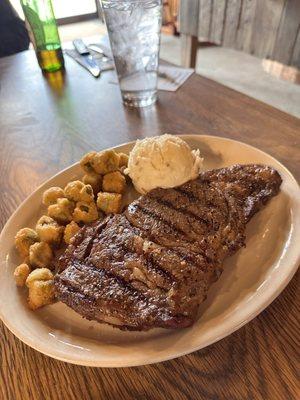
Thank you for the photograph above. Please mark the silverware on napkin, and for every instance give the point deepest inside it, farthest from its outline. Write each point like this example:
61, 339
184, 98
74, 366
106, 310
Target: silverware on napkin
86, 58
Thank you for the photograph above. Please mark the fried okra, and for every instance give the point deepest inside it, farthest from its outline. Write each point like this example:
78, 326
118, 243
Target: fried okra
40, 255
85, 212
86, 162
48, 230
114, 182
24, 239
21, 273
93, 179
41, 288
109, 203
51, 195
40, 274
123, 160
41, 293
70, 230
61, 211
78, 191
105, 161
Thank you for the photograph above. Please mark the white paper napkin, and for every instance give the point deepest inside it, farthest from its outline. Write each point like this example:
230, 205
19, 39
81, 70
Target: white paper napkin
171, 78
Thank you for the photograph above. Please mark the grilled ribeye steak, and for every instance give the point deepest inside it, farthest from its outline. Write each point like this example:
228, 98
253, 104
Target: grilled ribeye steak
153, 265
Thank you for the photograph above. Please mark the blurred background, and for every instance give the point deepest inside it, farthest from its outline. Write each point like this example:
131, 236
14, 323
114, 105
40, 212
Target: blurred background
252, 46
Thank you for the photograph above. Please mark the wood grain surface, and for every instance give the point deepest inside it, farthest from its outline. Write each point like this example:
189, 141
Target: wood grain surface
47, 124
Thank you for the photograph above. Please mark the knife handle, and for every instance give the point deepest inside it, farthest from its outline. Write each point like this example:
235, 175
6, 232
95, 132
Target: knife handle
80, 47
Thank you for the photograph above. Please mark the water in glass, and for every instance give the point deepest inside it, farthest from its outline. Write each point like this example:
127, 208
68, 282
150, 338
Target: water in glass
134, 32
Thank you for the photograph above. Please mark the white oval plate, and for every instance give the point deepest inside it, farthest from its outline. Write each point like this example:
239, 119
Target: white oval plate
250, 282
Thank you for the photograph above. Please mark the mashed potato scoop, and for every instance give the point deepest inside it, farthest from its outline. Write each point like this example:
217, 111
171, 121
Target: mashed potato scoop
162, 161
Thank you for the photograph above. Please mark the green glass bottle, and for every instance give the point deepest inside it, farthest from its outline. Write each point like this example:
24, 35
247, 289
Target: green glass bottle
44, 34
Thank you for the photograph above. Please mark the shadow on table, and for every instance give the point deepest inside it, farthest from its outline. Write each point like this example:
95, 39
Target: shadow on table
56, 81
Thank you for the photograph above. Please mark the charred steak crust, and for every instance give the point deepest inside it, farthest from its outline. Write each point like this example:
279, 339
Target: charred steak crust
153, 265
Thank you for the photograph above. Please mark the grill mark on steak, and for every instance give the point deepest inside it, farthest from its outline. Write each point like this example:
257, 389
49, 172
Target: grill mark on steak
170, 234
123, 285
167, 277
180, 250
150, 266
128, 273
92, 311
192, 259
192, 195
173, 207
156, 216
158, 196
209, 206
176, 230
202, 191
169, 229
132, 249
153, 265
89, 246
107, 291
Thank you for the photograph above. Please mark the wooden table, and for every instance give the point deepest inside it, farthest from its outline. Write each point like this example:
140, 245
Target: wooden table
45, 125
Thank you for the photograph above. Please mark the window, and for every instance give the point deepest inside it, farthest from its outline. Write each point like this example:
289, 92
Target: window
65, 8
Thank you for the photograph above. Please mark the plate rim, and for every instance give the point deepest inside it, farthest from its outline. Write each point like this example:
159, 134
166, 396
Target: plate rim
263, 303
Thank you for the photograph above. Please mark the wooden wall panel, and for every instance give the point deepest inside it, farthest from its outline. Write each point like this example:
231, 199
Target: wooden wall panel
245, 27
232, 16
217, 21
205, 17
287, 32
266, 28
188, 17
265, 24
296, 52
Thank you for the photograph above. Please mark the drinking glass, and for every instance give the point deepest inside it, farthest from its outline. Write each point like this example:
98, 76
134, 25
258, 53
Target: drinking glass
134, 32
